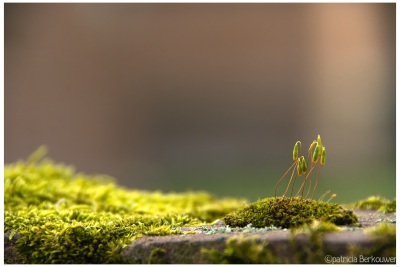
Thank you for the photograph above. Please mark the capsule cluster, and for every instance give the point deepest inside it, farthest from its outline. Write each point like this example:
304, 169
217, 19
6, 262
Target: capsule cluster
318, 154
316, 157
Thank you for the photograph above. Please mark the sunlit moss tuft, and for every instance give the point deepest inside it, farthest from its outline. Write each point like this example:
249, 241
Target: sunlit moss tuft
376, 203
62, 216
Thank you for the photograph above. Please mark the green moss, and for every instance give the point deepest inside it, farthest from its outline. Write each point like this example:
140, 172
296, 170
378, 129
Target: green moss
312, 250
384, 248
249, 229
306, 247
382, 229
288, 212
241, 250
316, 227
62, 216
376, 203
157, 256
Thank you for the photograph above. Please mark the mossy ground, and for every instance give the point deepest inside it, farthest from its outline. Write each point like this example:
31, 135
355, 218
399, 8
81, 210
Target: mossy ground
307, 246
246, 250
376, 203
288, 213
62, 216
241, 250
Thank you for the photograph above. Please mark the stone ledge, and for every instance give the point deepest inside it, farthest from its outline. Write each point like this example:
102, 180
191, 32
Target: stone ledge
187, 249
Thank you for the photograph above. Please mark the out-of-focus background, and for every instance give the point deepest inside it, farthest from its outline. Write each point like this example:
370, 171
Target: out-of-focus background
211, 97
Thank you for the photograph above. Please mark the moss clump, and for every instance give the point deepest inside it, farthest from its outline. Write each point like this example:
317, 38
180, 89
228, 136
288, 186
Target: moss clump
288, 212
241, 250
61, 216
376, 203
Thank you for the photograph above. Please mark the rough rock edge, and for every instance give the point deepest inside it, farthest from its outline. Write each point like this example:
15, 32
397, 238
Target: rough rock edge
187, 249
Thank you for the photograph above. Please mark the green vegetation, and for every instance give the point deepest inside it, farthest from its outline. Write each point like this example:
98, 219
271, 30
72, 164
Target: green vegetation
157, 256
384, 236
248, 229
247, 250
316, 227
312, 248
382, 230
53, 209
376, 203
306, 246
288, 213
53, 214
241, 250
298, 210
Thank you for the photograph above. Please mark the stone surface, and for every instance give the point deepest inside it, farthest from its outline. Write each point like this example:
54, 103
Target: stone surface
10, 253
187, 248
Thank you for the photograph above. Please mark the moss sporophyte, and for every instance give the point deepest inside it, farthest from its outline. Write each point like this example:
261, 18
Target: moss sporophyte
316, 157
297, 209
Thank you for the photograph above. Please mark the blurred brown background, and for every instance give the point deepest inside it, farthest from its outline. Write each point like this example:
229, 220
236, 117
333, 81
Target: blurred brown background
205, 96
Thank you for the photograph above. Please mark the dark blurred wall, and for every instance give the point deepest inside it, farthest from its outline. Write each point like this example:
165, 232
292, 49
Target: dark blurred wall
202, 96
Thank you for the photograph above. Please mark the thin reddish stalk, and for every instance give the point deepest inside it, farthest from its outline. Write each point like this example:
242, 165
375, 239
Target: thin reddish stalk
280, 180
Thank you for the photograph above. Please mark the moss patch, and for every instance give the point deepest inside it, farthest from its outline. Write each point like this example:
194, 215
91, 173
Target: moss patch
61, 216
384, 248
248, 250
316, 227
312, 249
157, 256
242, 250
289, 212
382, 230
376, 203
